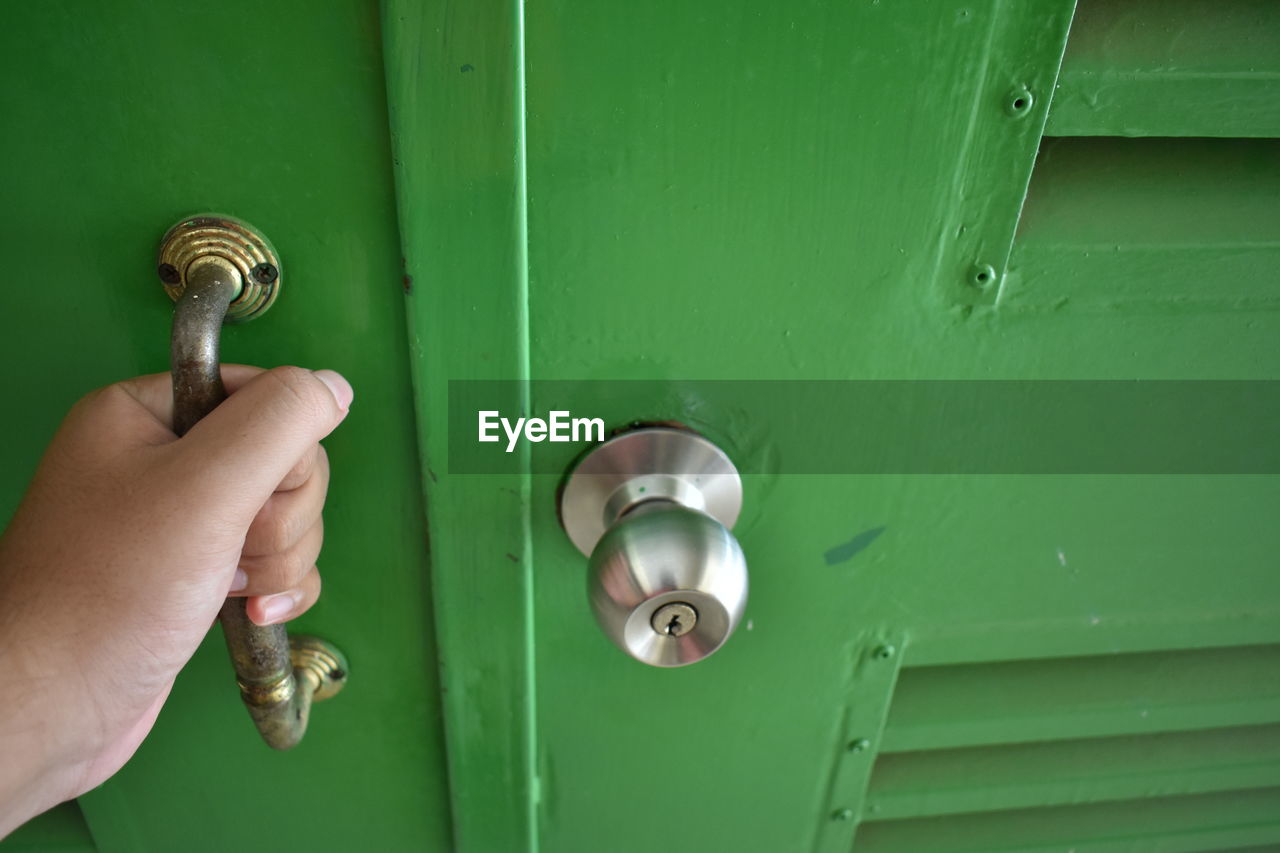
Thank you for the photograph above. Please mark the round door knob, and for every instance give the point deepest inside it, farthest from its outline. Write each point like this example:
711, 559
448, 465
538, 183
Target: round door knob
652, 509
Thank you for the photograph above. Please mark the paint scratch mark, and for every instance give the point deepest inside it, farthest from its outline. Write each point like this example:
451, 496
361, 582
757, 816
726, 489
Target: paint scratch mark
1062, 557
853, 547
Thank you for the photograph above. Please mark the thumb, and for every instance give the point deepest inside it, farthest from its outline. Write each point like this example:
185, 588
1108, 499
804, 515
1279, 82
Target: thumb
237, 455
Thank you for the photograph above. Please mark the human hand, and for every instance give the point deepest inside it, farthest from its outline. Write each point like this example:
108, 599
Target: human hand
124, 548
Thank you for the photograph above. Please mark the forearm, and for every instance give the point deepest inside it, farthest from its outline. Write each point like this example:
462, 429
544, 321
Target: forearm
31, 778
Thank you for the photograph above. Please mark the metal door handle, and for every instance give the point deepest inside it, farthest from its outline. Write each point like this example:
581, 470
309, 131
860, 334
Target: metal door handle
218, 269
652, 509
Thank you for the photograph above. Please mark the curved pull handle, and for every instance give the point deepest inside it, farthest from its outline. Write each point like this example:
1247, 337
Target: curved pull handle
652, 509
219, 270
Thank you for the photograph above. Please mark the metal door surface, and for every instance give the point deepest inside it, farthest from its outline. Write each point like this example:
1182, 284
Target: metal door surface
812, 231
120, 119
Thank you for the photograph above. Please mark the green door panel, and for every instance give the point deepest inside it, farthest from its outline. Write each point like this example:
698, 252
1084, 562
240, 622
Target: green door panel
59, 830
682, 192
120, 118
644, 196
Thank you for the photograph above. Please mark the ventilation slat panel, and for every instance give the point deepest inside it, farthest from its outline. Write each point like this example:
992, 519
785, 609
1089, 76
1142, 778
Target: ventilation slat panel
941, 707
1190, 823
1152, 224
919, 784
1207, 68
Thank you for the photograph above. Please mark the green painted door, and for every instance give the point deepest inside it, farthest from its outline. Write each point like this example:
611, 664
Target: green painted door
700, 212
120, 119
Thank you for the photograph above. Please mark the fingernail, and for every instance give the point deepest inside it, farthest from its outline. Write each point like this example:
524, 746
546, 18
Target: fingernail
276, 608
339, 387
240, 581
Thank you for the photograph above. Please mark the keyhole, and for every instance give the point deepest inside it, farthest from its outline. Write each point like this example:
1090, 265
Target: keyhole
674, 620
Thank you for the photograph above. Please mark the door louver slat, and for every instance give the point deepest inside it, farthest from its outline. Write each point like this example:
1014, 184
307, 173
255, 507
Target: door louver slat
926, 783
1168, 750
1170, 68
941, 707
1193, 823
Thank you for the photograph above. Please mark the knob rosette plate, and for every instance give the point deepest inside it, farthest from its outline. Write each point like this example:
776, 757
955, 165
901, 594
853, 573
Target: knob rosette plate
650, 464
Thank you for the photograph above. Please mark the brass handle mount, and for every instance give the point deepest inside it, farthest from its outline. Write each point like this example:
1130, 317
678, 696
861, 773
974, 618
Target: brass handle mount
218, 269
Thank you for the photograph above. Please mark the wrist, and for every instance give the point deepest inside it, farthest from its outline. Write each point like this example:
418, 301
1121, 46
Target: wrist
40, 767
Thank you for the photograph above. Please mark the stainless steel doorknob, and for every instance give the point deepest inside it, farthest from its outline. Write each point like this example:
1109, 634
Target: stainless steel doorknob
652, 509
